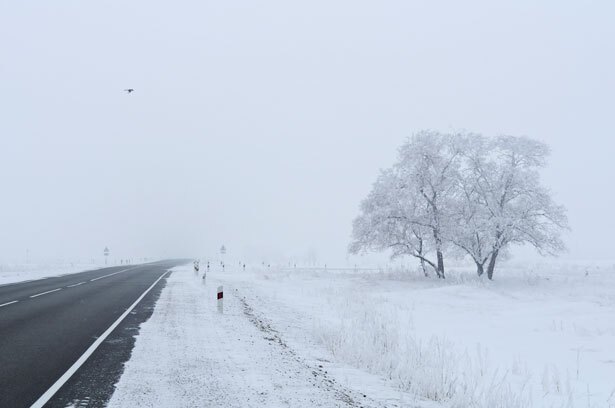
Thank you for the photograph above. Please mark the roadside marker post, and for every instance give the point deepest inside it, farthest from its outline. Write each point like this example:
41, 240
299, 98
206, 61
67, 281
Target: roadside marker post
196, 267
204, 277
220, 299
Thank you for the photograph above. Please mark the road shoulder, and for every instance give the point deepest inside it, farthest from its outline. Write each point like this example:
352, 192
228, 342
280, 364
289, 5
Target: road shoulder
189, 355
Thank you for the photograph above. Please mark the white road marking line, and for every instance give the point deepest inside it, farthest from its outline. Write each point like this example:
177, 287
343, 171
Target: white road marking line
111, 274
76, 284
44, 293
9, 303
69, 373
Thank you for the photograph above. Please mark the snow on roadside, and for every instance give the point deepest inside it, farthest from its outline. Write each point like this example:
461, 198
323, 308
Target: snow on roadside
529, 339
328, 338
12, 273
188, 355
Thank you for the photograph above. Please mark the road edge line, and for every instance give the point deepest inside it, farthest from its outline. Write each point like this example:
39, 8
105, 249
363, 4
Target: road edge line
47, 395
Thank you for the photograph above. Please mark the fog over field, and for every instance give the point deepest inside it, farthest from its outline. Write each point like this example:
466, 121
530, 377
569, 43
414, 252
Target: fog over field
262, 125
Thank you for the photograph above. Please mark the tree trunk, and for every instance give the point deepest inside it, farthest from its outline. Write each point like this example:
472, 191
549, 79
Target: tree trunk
480, 269
423, 267
491, 266
440, 269
428, 262
421, 259
438, 241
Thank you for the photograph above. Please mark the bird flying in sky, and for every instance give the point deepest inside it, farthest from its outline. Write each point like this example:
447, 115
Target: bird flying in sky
129, 90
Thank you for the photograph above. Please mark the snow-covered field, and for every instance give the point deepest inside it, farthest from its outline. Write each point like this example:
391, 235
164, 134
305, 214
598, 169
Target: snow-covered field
538, 336
10, 273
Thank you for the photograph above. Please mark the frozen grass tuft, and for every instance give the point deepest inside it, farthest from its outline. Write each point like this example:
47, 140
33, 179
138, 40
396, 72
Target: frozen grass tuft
550, 326
374, 336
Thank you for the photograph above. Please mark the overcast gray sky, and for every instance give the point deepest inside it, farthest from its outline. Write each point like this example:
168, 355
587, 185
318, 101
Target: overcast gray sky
262, 124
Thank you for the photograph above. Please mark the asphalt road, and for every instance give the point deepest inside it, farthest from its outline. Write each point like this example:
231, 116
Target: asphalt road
46, 325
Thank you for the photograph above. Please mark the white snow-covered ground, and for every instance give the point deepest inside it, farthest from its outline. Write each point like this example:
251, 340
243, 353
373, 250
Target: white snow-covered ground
189, 355
11, 273
538, 336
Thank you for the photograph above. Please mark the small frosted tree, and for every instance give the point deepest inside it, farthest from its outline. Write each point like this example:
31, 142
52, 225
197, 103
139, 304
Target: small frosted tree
520, 209
408, 208
501, 201
429, 164
472, 232
388, 221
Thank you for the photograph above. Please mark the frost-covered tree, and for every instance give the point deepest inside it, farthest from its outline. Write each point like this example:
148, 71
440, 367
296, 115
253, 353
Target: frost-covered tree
408, 208
472, 232
463, 191
516, 208
429, 163
388, 221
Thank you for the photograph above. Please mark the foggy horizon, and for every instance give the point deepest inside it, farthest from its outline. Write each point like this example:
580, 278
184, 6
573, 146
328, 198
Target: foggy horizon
262, 127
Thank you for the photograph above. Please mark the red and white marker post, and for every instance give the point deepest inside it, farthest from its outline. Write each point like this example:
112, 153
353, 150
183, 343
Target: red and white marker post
220, 299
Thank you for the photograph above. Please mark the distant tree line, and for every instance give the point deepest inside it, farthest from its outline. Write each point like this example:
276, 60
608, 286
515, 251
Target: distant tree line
462, 194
